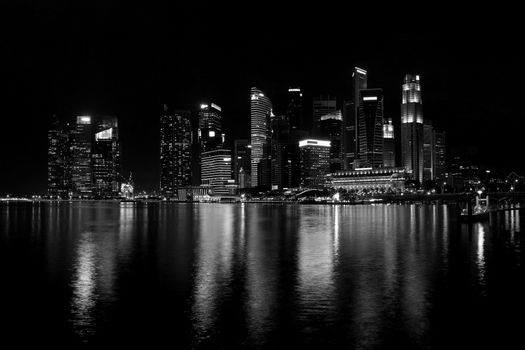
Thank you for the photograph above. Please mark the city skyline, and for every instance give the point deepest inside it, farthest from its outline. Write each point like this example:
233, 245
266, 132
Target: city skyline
110, 69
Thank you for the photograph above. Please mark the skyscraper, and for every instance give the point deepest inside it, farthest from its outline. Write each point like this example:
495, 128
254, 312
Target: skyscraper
260, 110
331, 129
389, 146
370, 127
412, 127
350, 120
217, 169
241, 163
281, 152
210, 126
440, 165
106, 158
428, 151
315, 161
81, 173
59, 159
175, 151
322, 105
294, 110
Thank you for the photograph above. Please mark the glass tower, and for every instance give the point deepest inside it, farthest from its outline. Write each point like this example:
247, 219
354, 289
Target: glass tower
370, 127
260, 111
412, 127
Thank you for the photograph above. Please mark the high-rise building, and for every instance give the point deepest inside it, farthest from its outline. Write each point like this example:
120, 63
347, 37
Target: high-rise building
175, 151
350, 120
241, 163
370, 128
322, 105
59, 159
281, 152
217, 168
82, 176
440, 165
294, 110
389, 146
106, 158
315, 161
260, 111
428, 151
210, 126
412, 127
331, 129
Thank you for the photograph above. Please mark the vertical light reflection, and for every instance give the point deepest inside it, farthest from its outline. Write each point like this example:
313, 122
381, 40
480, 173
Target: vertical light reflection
213, 266
480, 256
337, 218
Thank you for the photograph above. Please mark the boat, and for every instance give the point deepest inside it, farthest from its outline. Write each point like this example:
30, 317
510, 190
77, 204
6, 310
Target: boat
480, 211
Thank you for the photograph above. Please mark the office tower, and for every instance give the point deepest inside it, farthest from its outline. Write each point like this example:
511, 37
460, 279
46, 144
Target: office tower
106, 158
81, 172
59, 159
175, 151
241, 163
322, 105
428, 151
350, 120
440, 165
412, 127
315, 161
294, 110
331, 129
217, 167
370, 128
281, 152
260, 110
210, 126
389, 146
295, 171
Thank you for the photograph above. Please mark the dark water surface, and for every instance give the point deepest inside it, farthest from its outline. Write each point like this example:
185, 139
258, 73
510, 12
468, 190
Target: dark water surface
259, 276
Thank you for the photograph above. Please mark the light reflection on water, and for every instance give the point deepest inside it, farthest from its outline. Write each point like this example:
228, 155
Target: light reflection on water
250, 274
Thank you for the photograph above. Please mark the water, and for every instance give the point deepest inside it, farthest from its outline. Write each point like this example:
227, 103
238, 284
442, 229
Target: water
259, 276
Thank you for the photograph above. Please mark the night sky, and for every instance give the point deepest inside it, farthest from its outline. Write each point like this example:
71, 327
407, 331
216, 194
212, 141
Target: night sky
107, 58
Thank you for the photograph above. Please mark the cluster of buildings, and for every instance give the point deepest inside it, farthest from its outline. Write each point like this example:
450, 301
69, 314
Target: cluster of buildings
351, 146
84, 158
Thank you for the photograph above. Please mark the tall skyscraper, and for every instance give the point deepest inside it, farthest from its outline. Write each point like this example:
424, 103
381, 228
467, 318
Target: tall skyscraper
175, 151
370, 128
241, 163
428, 151
350, 120
294, 110
210, 126
217, 168
106, 158
260, 111
440, 167
281, 152
322, 105
59, 159
315, 161
82, 176
331, 129
389, 146
412, 127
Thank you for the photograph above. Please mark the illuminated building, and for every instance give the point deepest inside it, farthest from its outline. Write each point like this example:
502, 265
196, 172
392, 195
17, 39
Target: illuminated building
175, 151
281, 152
241, 163
428, 151
260, 110
440, 165
315, 161
389, 146
370, 128
81, 172
350, 120
294, 110
217, 170
59, 160
106, 158
322, 105
412, 127
331, 129
210, 126
378, 179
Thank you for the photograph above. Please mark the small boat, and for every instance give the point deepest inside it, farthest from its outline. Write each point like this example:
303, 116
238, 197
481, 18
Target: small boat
478, 213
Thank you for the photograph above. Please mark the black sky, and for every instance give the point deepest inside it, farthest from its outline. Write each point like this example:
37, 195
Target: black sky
107, 58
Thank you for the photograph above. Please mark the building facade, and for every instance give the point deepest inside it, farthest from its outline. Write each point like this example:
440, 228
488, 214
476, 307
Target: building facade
241, 166
412, 127
175, 151
389, 145
315, 161
369, 179
370, 128
59, 164
331, 129
106, 158
260, 111
82, 174
322, 105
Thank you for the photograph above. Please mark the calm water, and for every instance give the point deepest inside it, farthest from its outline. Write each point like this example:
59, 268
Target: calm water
259, 276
